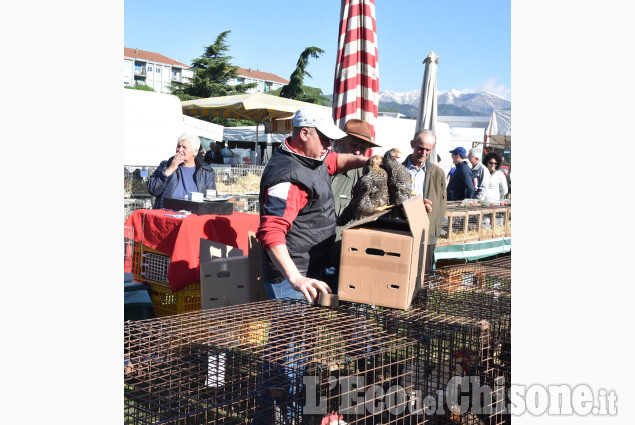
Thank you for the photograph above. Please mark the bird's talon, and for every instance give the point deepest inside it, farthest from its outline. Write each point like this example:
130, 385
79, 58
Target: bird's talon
384, 208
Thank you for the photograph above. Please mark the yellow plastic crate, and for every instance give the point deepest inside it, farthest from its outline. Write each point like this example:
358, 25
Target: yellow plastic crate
164, 301
167, 303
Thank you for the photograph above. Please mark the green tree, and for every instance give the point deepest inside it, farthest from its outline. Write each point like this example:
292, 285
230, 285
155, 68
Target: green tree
212, 72
296, 88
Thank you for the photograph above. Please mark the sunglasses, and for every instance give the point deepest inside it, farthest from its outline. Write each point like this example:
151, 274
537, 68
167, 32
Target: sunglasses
492, 163
323, 138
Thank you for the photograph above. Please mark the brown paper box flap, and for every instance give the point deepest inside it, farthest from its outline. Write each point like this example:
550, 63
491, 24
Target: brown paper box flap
209, 250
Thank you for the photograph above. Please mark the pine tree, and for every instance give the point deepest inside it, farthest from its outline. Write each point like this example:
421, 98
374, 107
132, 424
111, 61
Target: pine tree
212, 71
296, 88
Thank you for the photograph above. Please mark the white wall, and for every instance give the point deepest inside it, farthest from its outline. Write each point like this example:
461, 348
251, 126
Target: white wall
152, 124
397, 133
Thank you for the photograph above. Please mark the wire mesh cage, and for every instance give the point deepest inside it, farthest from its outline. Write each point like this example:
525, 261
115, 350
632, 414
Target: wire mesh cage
270, 362
238, 179
130, 205
463, 223
461, 320
453, 228
135, 180
481, 292
449, 349
503, 262
246, 203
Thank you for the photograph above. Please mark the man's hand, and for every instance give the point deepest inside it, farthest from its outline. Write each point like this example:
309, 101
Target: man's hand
310, 287
178, 159
428, 205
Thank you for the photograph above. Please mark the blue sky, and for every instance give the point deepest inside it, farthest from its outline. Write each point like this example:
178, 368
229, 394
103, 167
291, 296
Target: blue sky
472, 38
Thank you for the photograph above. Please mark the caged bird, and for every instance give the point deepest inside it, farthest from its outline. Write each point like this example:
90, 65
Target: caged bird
399, 178
370, 193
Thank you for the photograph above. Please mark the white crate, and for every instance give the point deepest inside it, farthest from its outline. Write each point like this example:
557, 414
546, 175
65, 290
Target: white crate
155, 267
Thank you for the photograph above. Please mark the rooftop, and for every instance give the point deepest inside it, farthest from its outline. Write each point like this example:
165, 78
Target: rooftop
151, 57
259, 75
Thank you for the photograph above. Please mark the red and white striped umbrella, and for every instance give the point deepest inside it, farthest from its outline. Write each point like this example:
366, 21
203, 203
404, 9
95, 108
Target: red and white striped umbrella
356, 88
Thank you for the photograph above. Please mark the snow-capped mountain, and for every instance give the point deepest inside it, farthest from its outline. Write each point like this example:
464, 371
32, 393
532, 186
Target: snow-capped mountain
407, 98
478, 102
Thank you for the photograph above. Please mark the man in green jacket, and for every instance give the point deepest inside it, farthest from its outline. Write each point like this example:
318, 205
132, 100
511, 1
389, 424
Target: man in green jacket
358, 141
428, 181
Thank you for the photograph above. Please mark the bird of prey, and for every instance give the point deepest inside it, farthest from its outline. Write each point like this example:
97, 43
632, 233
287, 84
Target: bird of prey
370, 193
399, 178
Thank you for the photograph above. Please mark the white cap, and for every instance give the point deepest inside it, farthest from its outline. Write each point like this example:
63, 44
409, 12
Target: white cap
475, 152
310, 116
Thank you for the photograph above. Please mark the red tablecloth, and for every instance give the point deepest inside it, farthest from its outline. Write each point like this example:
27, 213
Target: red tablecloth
180, 238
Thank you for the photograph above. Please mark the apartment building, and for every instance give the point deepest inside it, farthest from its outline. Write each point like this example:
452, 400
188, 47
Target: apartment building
153, 69
266, 81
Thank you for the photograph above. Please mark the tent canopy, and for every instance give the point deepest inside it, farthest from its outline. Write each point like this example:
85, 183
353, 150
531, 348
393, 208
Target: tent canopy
500, 124
499, 131
248, 134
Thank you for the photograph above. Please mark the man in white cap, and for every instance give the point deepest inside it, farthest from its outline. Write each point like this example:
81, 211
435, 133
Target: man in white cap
297, 217
480, 174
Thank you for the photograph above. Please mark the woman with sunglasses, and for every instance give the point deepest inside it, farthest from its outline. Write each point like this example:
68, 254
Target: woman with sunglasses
497, 188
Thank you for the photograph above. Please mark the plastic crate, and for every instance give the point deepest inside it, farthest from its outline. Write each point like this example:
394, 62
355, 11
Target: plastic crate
128, 244
149, 265
167, 303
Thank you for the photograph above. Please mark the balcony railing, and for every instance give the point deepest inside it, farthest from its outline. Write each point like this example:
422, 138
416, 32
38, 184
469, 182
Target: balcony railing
176, 77
141, 72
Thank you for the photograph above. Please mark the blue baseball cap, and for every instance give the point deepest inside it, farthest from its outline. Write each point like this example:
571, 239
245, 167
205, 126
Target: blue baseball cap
459, 150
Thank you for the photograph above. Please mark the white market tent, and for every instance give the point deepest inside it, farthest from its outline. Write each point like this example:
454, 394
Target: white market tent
201, 128
153, 122
499, 131
248, 134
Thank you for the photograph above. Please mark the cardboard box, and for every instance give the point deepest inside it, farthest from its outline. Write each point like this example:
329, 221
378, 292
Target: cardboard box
210, 250
383, 258
230, 280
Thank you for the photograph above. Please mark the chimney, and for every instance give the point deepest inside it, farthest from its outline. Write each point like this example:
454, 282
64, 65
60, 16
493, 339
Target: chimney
250, 69
135, 50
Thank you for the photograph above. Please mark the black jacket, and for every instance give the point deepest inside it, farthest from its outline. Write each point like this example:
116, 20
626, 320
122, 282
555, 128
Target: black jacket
310, 239
461, 185
163, 187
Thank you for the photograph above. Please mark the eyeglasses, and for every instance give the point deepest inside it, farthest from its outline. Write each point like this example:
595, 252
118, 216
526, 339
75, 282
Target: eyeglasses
492, 163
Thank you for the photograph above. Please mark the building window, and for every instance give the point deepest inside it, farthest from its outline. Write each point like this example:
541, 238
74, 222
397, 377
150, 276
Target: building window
149, 69
158, 70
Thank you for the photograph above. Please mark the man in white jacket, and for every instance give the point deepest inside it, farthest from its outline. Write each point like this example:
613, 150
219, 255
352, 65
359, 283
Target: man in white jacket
480, 174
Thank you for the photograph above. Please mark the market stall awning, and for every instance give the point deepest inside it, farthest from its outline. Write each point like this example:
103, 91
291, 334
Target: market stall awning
257, 107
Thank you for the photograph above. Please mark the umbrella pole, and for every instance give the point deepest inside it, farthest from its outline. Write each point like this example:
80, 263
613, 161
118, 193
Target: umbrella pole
258, 156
